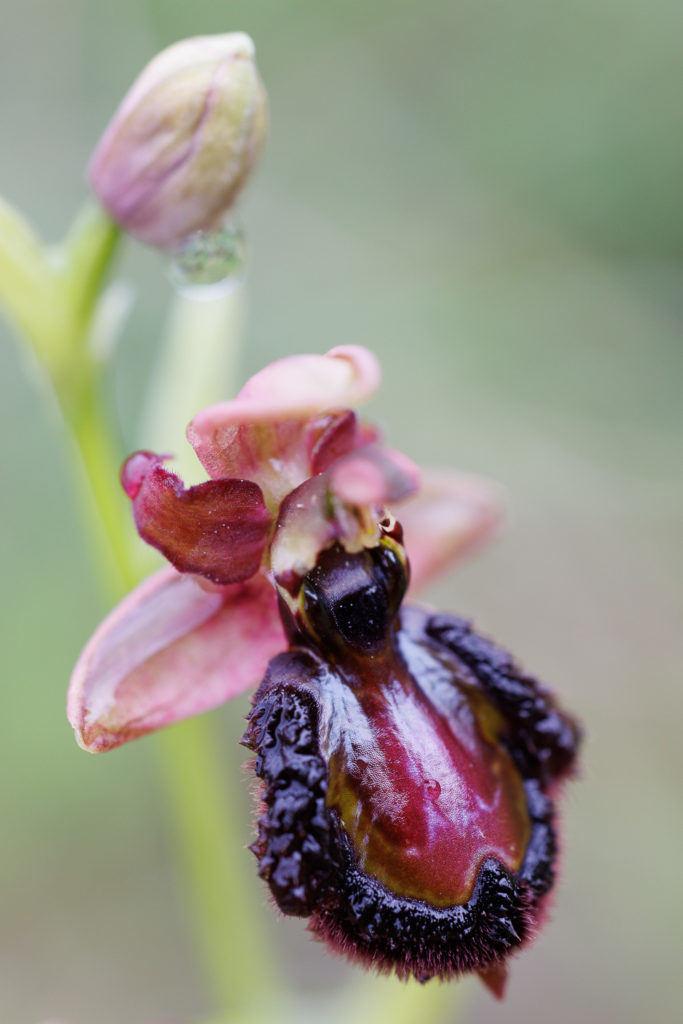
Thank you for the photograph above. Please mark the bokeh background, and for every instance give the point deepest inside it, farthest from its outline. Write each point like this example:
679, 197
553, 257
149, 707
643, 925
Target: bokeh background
489, 195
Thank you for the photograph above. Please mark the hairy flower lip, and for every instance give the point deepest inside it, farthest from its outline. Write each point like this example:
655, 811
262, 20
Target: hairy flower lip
312, 869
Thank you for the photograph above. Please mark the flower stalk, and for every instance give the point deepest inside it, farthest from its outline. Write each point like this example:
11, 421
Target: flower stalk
200, 800
51, 300
224, 899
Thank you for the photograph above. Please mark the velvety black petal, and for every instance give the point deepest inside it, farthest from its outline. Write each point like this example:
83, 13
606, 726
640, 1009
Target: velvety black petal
543, 739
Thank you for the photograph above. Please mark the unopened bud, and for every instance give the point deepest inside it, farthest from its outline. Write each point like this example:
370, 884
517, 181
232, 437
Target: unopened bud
184, 140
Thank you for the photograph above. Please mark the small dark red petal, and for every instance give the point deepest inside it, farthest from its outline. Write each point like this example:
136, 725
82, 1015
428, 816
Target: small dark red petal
330, 437
136, 468
217, 529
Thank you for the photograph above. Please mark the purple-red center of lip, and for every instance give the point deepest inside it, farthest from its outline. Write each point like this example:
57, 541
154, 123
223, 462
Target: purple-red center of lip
420, 782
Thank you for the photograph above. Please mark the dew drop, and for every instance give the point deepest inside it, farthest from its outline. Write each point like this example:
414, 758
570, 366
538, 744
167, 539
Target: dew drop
432, 788
208, 264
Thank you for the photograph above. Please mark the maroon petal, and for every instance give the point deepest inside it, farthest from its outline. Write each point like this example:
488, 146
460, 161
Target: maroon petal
336, 434
171, 649
217, 529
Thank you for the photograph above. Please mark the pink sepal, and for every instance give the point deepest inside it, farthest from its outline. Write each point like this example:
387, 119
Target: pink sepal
169, 650
259, 435
343, 504
450, 516
374, 476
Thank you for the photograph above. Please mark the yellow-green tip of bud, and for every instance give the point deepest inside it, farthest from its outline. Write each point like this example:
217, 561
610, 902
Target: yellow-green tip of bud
183, 141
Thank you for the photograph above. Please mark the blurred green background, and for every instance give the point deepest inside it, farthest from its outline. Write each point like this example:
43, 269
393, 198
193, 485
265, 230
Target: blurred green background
488, 194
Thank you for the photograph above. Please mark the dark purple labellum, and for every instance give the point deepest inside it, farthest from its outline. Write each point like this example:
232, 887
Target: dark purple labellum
408, 767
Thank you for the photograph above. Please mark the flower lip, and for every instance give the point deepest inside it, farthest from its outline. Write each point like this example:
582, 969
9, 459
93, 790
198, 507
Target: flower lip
306, 847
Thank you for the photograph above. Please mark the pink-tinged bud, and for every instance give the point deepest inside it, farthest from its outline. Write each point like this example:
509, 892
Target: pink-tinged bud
183, 141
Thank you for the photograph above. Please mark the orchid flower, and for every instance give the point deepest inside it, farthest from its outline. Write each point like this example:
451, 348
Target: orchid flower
193, 637
408, 765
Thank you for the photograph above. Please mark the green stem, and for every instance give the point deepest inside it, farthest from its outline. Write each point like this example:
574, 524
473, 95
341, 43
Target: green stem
202, 801
54, 304
85, 259
225, 900
108, 513
52, 298
389, 1001
29, 293
199, 351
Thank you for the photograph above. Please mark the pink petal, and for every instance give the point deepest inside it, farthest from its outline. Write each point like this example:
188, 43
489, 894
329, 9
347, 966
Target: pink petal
374, 475
217, 529
343, 504
171, 649
451, 515
308, 523
259, 434
296, 387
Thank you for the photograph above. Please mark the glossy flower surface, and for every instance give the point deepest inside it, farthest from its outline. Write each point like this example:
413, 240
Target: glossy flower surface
409, 771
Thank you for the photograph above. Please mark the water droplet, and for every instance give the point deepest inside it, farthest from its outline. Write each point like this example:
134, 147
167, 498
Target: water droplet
432, 788
208, 264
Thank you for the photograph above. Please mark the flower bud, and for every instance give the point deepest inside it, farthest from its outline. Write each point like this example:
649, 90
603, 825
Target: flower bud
184, 140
